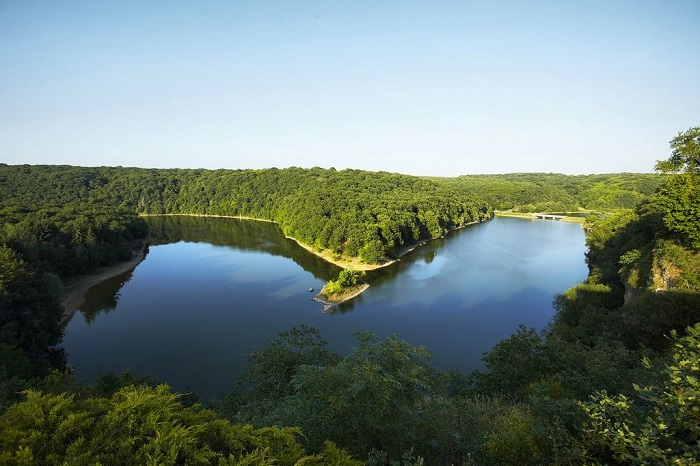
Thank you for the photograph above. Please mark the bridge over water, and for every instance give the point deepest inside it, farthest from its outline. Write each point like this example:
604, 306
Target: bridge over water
548, 216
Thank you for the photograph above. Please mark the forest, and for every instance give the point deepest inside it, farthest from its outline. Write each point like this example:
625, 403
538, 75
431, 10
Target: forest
614, 379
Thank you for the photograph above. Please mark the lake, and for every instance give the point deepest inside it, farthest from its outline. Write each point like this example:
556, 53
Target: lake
211, 290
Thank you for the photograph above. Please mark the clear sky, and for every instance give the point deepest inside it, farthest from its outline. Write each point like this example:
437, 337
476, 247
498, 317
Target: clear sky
419, 87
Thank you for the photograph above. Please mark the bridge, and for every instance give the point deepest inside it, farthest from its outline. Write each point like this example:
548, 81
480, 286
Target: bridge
548, 216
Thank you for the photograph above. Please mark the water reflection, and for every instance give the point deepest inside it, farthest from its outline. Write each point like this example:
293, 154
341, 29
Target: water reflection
248, 235
104, 297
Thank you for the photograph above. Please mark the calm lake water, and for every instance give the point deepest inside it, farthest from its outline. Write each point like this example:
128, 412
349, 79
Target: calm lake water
212, 290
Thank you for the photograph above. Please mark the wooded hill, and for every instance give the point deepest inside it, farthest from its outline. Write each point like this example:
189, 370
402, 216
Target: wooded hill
350, 213
573, 394
551, 192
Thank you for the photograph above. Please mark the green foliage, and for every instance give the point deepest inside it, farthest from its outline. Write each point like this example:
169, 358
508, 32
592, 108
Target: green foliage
685, 154
661, 423
550, 192
513, 363
679, 199
676, 267
29, 316
512, 442
73, 239
350, 213
520, 363
273, 367
347, 278
364, 401
679, 204
382, 396
142, 426
581, 311
622, 242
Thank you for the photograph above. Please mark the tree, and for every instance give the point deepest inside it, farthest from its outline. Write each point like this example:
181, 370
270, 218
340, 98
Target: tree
369, 399
347, 278
679, 203
661, 424
685, 154
272, 367
29, 314
513, 363
143, 426
679, 199
382, 396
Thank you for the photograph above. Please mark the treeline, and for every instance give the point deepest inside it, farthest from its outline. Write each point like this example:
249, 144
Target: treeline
72, 239
551, 192
400, 207
351, 213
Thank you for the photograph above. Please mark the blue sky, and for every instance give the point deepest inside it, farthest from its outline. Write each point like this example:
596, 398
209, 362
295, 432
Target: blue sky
419, 87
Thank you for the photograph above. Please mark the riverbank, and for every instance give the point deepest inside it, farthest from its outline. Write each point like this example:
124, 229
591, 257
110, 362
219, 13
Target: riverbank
357, 265
74, 296
328, 303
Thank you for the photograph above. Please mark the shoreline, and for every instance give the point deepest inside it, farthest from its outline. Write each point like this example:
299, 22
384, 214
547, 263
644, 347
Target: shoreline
74, 296
363, 267
330, 304
327, 256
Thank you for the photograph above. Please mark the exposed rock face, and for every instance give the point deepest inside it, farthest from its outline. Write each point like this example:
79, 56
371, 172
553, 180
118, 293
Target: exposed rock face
668, 267
665, 275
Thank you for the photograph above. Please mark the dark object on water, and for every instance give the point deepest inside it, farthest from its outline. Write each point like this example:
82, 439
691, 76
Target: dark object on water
311, 290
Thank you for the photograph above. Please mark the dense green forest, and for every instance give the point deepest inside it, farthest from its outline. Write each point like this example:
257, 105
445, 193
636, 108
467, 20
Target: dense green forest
350, 213
551, 192
353, 214
614, 379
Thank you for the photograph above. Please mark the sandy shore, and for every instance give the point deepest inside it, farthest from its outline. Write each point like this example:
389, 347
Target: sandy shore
75, 294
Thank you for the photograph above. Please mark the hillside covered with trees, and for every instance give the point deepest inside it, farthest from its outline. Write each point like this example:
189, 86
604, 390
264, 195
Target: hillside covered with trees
614, 379
551, 192
351, 213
